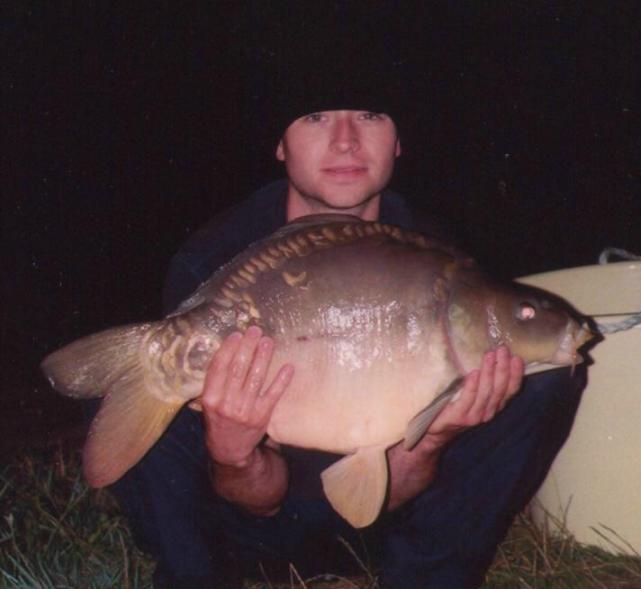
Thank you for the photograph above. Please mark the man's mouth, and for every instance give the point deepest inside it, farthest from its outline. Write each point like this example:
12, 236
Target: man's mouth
345, 171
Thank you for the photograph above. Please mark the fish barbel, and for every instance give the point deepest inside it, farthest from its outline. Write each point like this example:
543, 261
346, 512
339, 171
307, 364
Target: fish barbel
380, 324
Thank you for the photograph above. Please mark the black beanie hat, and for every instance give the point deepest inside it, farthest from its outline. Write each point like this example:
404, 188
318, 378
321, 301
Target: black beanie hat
349, 90
322, 85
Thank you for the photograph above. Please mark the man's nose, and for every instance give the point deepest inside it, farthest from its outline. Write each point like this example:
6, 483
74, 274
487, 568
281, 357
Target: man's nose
345, 136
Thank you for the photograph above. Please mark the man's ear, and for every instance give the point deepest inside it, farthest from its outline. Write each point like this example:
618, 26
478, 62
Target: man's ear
398, 150
280, 151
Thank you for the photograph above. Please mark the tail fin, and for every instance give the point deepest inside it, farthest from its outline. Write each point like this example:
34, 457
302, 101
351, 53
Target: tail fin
132, 416
89, 366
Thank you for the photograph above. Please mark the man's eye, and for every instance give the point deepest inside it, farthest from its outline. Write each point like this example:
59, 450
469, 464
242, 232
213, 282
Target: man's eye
372, 116
315, 117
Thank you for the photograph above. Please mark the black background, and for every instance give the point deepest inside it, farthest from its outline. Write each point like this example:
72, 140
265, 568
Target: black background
126, 127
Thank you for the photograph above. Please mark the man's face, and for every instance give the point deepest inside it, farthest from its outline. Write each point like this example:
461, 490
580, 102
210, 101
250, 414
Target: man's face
339, 158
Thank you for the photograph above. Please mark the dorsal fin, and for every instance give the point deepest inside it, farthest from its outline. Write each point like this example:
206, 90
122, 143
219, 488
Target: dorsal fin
335, 228
297, 239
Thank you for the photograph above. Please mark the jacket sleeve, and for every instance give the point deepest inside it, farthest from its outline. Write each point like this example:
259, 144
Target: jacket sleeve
180, 282
224, 236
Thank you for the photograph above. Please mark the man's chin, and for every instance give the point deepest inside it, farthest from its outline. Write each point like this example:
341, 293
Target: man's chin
344, 197
330, 198
344, 205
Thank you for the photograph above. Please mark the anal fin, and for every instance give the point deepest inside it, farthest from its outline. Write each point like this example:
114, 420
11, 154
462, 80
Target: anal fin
127, 425
356, 485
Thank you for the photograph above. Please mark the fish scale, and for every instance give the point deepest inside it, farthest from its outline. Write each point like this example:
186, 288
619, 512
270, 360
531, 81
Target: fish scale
381, 325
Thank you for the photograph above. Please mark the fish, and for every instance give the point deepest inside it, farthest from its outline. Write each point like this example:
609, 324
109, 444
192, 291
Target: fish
380, 323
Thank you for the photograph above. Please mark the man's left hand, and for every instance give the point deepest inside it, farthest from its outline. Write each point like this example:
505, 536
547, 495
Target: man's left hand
486, 391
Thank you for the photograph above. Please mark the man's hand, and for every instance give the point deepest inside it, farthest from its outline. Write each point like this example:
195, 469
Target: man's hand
236, 404
485, 392
237, 407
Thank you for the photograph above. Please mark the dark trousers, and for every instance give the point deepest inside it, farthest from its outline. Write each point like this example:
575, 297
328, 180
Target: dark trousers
445, 538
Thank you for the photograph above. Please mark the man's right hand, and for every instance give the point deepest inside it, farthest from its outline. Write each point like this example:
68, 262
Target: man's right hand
236, 403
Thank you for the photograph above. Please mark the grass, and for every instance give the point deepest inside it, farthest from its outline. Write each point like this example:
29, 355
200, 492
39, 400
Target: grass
56, 533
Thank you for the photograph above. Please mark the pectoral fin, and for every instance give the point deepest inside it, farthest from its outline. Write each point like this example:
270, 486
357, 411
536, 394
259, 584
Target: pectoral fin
357, 484
196, 405
418, 425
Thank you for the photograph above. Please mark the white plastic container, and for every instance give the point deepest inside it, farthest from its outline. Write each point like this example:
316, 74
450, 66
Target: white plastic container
595, 481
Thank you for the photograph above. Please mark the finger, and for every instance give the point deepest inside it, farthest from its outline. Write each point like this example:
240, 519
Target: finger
213, 389
258, 369
515, 381
499, 386
235, 392
255, 380
486, 381
266, 402
517, 370
465, 398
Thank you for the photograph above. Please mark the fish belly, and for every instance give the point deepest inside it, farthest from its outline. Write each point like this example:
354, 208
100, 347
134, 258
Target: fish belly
338, 407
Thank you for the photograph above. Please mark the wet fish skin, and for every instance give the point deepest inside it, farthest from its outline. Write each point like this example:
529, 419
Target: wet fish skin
377, 321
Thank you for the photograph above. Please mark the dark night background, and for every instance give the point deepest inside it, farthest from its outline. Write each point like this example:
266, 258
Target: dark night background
125, 128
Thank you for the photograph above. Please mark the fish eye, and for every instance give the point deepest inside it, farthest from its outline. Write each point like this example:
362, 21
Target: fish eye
525, 312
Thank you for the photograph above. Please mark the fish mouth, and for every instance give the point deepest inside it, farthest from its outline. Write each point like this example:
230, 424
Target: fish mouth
575, 337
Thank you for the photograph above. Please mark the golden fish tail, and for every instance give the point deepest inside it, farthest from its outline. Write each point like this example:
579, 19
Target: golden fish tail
90, 366
131, 417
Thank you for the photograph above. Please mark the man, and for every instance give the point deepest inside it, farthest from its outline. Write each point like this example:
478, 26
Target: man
215, 496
